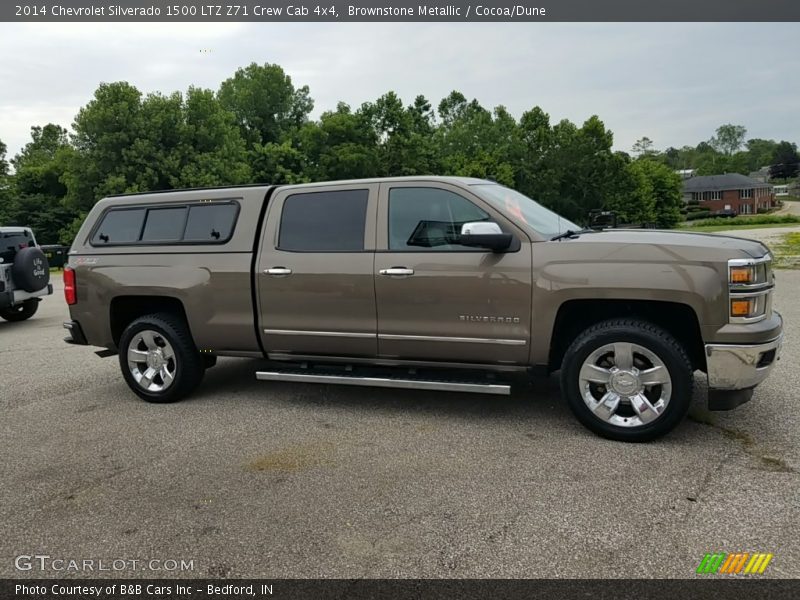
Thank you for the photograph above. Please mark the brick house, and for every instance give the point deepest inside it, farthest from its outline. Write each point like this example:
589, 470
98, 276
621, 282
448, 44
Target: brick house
731, 191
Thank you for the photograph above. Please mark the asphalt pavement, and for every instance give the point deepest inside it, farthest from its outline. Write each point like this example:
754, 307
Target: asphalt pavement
264, 479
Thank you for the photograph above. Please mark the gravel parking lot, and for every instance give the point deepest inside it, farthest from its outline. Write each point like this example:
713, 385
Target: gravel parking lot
256, 479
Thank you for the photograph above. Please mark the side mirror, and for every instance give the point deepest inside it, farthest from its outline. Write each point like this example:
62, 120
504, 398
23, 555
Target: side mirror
485, 234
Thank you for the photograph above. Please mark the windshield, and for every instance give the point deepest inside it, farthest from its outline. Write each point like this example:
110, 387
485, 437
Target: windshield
524, 210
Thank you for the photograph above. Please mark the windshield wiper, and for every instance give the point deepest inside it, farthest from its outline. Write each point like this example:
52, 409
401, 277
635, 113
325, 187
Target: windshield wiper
569, 233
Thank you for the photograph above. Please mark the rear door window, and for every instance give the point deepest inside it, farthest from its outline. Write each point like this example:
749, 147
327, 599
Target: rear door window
120, 227
324, 221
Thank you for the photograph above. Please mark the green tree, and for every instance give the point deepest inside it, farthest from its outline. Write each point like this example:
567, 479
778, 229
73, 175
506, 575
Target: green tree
635, 202
473, 142
36, 190
265, 102
343, 145
666, 189
125, 143
3, 161
785, 161
4, 184
105, 130
729, 138
760, 153
536, 175
643, 147
213, 151
708, 160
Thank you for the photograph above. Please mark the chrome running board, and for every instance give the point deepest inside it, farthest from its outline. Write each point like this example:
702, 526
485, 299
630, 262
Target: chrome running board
387, 382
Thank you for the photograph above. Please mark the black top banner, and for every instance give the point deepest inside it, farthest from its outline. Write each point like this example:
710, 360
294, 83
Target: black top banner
399, 10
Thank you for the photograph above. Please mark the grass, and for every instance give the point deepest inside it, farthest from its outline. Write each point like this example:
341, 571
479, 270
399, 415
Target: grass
787, 251
716, 228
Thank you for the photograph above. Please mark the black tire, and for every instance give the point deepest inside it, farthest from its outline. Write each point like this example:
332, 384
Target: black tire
188, 364
30, 271
20, 312
648, 336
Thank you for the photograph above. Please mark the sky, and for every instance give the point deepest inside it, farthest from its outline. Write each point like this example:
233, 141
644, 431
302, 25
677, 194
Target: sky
672, 82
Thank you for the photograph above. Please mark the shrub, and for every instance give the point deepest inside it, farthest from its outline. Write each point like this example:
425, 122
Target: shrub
697, 209
744, 221
698, 214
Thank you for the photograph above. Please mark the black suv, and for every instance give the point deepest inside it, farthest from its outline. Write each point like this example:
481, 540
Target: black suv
24, 274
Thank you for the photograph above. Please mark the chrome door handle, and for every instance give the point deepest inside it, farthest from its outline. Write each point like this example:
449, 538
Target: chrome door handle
278, 271
397, 272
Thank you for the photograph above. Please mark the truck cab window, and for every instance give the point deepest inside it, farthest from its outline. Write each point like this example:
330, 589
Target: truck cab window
324, 221
422, 219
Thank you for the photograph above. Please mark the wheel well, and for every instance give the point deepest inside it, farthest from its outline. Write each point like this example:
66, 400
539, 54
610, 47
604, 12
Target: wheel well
575, 316
124, 309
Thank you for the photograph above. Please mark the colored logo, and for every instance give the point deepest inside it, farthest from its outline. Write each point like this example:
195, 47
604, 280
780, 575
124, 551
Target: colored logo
744, 563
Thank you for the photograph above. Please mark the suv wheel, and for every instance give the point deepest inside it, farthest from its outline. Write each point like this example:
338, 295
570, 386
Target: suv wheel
20, 312
627, 380
158, 358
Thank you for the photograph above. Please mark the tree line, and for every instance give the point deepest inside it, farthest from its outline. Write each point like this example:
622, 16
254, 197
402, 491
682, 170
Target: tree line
257, 128
729, 151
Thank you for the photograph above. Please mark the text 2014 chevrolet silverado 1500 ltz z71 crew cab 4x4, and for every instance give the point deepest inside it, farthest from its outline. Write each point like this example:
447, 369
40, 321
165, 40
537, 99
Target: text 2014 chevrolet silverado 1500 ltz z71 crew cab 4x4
436, 283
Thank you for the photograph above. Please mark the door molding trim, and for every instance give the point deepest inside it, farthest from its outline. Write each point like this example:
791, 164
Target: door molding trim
320, 333
437, 338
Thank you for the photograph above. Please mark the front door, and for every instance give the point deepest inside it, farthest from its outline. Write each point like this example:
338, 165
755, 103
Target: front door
439, 300
315, 271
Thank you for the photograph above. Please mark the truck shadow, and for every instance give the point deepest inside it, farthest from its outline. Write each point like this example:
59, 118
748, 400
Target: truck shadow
533, 401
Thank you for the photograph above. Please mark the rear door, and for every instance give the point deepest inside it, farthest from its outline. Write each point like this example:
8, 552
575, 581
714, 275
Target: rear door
437, 299
315, 284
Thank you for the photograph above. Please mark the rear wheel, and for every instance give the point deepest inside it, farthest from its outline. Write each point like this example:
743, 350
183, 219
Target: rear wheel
20, 312
158, 358
627, 380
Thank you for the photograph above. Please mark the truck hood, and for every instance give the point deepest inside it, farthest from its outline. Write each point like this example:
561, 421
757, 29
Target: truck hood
677, 241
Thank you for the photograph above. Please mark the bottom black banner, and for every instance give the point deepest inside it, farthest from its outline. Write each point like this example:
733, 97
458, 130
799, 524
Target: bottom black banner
399, 589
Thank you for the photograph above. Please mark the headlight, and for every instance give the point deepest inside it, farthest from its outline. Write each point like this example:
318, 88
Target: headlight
749, 289
743, 274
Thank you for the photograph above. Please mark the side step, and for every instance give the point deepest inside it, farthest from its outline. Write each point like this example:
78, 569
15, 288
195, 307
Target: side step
387, 382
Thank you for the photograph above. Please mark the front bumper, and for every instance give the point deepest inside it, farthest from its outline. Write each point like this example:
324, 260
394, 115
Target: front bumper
734, 370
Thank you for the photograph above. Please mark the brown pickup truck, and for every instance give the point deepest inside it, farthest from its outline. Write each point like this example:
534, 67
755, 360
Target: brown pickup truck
436, 283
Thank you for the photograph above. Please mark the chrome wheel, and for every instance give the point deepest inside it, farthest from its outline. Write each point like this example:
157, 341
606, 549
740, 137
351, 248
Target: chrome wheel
625, 384
151, 360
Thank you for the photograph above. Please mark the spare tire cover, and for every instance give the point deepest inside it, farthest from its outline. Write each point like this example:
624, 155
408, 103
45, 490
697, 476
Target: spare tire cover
30, 271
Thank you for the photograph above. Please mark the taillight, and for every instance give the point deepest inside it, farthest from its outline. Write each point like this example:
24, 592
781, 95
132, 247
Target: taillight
70, 295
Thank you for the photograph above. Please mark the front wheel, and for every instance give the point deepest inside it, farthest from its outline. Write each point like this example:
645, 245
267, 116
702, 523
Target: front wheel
158, 358
20, 312
627, 380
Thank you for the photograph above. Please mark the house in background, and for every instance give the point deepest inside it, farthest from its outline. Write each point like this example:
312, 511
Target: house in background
761, 175
731, 191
